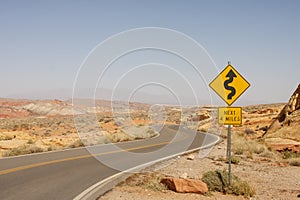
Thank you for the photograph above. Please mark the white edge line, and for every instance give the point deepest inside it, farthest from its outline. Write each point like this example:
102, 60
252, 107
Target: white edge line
86, 194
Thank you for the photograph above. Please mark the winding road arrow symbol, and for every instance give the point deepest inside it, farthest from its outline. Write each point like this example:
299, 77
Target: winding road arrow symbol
231, 75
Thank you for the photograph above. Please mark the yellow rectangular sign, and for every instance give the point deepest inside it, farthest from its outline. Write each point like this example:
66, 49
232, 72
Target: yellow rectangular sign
230, 115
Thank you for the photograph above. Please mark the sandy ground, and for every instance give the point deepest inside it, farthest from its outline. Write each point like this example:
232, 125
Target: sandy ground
270, 178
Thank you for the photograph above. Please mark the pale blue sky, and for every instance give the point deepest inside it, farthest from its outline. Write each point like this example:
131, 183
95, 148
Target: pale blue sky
43, 43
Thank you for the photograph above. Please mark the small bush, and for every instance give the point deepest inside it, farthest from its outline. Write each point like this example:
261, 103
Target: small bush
77, 143
151, 132
235, 160
51, 148
268, 154
239, 150
203, 130
249, 131
221, 159
30, 141
150, 181
6, 137
119, 137
218, 181
289, 154
258, 149
295, 162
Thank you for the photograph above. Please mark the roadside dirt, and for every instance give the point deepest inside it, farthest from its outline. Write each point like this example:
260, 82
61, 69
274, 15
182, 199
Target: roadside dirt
271, 178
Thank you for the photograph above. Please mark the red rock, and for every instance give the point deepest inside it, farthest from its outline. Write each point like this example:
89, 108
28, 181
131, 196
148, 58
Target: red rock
185, 185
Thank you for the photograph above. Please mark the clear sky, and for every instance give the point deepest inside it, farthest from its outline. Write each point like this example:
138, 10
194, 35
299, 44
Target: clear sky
43, 43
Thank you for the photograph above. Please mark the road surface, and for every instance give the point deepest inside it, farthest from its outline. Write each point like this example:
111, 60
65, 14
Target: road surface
65, 174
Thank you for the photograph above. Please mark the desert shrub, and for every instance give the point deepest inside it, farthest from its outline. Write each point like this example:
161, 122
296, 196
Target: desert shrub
218, 181
249, 155
30, 141
100, 140
6, 137
269, 154
235, 160
239, 150
76, 144
294, 162
249, 131
151, 181
203, 130
151, 132
51, 148
289, 154
257, 148
21, 150
221, 159
119, 137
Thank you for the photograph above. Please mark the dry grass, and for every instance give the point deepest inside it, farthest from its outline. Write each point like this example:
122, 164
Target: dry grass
30, 141
119, 137
21, 150
241, 145
294, 162
76, 144
151, 181
293, 158
235, 160
218, 181
6, 137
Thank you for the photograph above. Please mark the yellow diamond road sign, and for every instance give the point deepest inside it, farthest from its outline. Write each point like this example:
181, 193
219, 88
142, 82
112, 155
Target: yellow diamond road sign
230, 115
229, 85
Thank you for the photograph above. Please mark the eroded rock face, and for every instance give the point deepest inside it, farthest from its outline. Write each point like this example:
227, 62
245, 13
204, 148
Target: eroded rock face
283, 133
294, 102
185, 185
282, 118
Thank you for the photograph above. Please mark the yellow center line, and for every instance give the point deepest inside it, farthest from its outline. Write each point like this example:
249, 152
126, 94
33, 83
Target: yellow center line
11, 170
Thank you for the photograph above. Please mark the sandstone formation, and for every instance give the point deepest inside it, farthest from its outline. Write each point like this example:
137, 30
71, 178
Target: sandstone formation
185, 185
283, 133
283, 117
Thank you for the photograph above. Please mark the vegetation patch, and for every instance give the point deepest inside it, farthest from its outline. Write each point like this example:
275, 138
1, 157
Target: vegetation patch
76, 144
290, 154
119, 137
21, 150
235, 160
151, 181
241, 145
293, 158
217, 181
294, 162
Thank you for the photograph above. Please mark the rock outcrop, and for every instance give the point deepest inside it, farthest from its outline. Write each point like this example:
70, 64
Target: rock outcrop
288, 109
185, 185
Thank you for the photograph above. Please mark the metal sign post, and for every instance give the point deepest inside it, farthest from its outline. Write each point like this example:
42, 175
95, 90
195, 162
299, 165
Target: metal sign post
229, 85
229, 154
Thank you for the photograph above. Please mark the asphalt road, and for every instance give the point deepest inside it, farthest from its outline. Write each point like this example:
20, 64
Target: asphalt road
65, 174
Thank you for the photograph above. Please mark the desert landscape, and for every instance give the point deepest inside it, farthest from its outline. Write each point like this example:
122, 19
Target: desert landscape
265, 149
266, 155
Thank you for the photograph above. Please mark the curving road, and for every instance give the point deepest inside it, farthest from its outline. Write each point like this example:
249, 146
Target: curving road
66, 174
